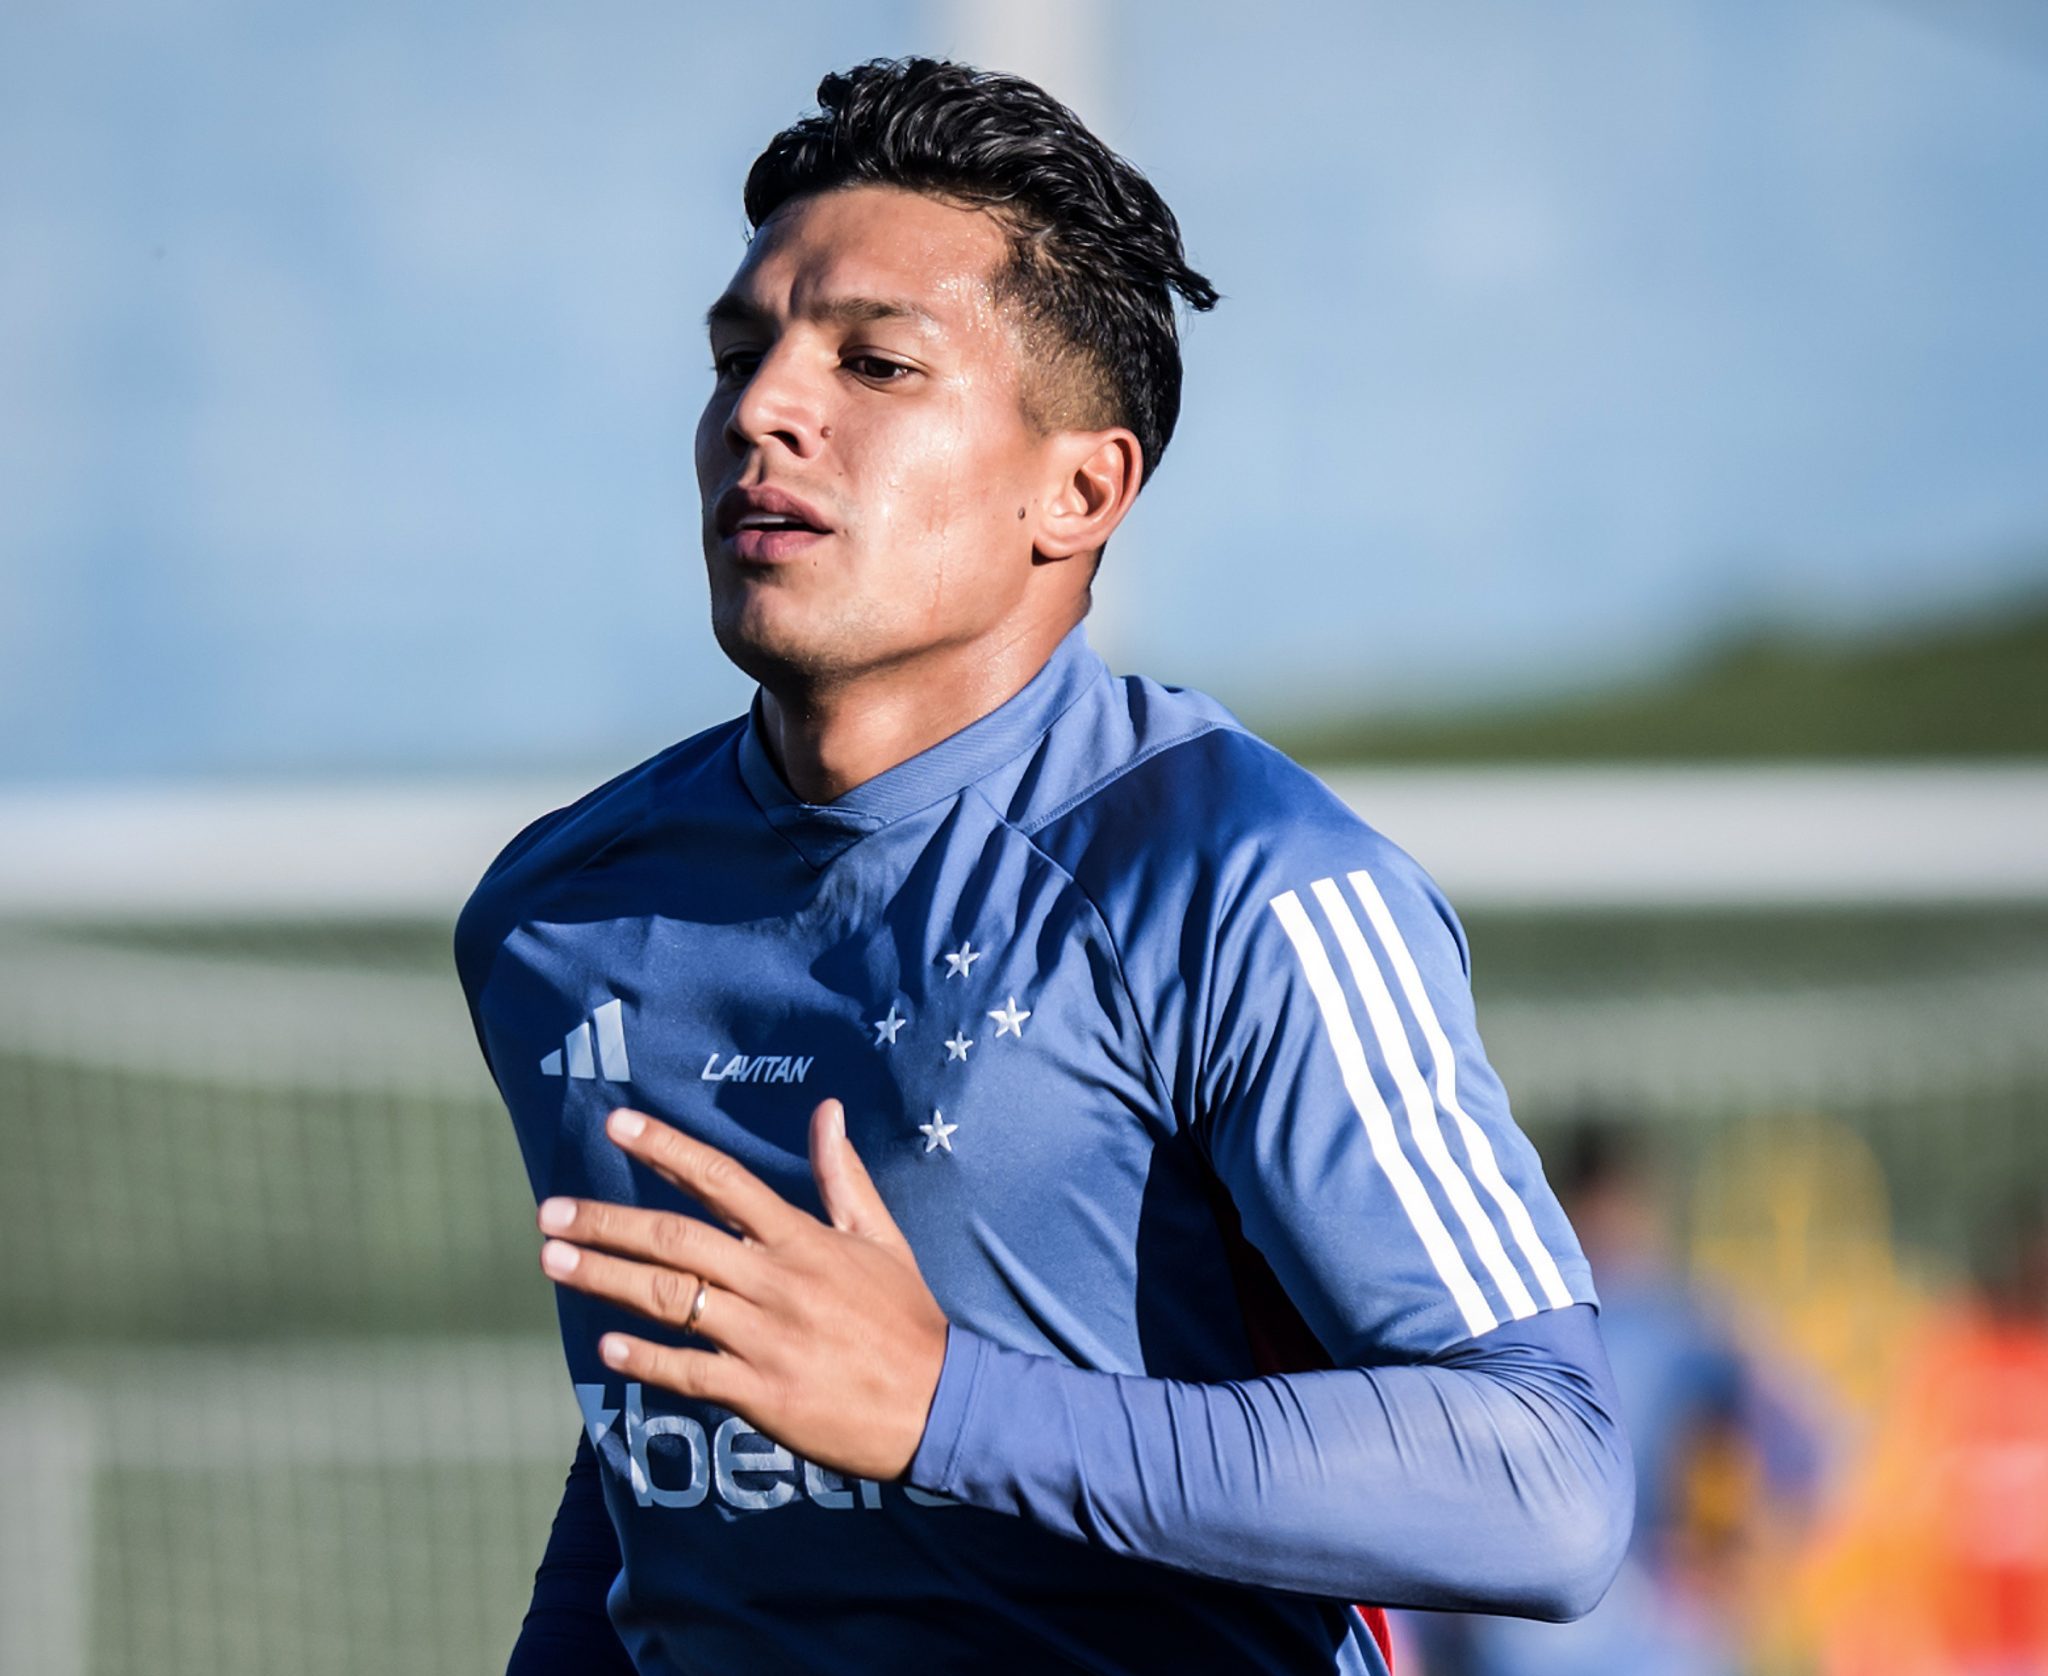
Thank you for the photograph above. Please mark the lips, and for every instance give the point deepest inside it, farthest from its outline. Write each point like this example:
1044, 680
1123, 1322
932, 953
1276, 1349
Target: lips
765, 522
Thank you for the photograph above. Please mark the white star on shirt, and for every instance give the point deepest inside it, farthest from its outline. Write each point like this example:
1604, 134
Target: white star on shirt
1009, 1021
959, 963
957, 1046
885, 1028
937, 1131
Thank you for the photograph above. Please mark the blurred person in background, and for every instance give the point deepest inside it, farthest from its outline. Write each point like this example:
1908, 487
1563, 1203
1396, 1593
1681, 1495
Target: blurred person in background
1166, 1271
1937, 1564
1726, 1459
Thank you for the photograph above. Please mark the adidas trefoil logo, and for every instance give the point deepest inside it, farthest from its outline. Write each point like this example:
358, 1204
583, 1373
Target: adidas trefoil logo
574, 1057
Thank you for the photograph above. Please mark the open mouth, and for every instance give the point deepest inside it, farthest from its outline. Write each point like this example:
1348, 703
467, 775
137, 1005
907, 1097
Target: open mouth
774, 521
767, 523
773, 538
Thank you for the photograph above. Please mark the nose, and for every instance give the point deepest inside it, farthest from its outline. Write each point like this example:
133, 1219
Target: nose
777, 403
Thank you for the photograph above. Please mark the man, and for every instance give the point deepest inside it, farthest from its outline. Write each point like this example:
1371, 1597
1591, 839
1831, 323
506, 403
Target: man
1015, 1062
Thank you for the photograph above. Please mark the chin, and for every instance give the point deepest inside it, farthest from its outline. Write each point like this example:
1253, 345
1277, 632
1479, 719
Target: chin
774, 641
747, 645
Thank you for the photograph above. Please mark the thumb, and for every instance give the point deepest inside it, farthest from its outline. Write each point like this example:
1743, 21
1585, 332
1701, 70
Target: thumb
851, 1200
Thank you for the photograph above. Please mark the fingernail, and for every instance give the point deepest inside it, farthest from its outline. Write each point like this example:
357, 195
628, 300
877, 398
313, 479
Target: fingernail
626, 1126
558, 1258
837, 1121
557, 1214
613, 1349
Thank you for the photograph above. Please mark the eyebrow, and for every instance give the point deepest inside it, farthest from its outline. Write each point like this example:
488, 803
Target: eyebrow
734, 310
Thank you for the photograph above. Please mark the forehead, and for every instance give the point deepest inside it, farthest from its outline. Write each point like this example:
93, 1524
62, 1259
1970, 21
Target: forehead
879, 243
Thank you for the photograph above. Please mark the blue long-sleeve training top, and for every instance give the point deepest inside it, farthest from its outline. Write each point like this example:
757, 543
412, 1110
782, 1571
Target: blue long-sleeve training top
1165, 1063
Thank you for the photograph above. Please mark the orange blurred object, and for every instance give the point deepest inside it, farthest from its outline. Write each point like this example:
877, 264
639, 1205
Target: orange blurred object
1939, 1563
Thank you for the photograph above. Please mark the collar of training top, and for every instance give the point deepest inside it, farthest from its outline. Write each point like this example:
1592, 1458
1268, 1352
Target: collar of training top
822, 830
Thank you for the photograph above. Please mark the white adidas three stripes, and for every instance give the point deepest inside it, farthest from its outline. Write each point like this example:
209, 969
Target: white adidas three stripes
1425, 1130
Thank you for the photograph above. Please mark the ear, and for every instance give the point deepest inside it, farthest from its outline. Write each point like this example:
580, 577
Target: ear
1093, 481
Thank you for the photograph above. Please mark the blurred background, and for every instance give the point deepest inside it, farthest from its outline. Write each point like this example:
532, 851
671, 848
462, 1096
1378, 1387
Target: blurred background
1620, 464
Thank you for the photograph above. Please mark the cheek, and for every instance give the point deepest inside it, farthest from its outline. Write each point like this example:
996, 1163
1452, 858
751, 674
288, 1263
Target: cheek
710, 443
901, 480
951, 478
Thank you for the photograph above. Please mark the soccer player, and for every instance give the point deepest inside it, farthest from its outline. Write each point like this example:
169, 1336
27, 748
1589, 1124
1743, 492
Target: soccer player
1023, 1182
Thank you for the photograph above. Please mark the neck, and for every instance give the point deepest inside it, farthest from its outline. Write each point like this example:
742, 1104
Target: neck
829, 735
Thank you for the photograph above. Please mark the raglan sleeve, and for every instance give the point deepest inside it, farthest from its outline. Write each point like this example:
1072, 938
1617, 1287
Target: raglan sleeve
1464, 1450
1347, 1106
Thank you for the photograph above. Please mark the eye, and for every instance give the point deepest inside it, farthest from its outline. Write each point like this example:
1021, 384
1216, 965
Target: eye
877, 370
735, 364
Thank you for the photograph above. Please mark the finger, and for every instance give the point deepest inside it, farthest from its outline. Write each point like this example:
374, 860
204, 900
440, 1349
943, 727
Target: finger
724, 1380
712, 1177
656, 1236
851, 1199
664, 1295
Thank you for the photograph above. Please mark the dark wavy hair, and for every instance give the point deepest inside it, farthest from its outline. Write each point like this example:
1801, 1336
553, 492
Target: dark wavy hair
1095, 254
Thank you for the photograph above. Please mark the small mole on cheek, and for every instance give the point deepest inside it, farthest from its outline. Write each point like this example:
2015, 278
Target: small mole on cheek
1020, 511
824, 430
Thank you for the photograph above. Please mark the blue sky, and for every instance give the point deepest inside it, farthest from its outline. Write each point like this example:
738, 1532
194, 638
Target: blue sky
349, 356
